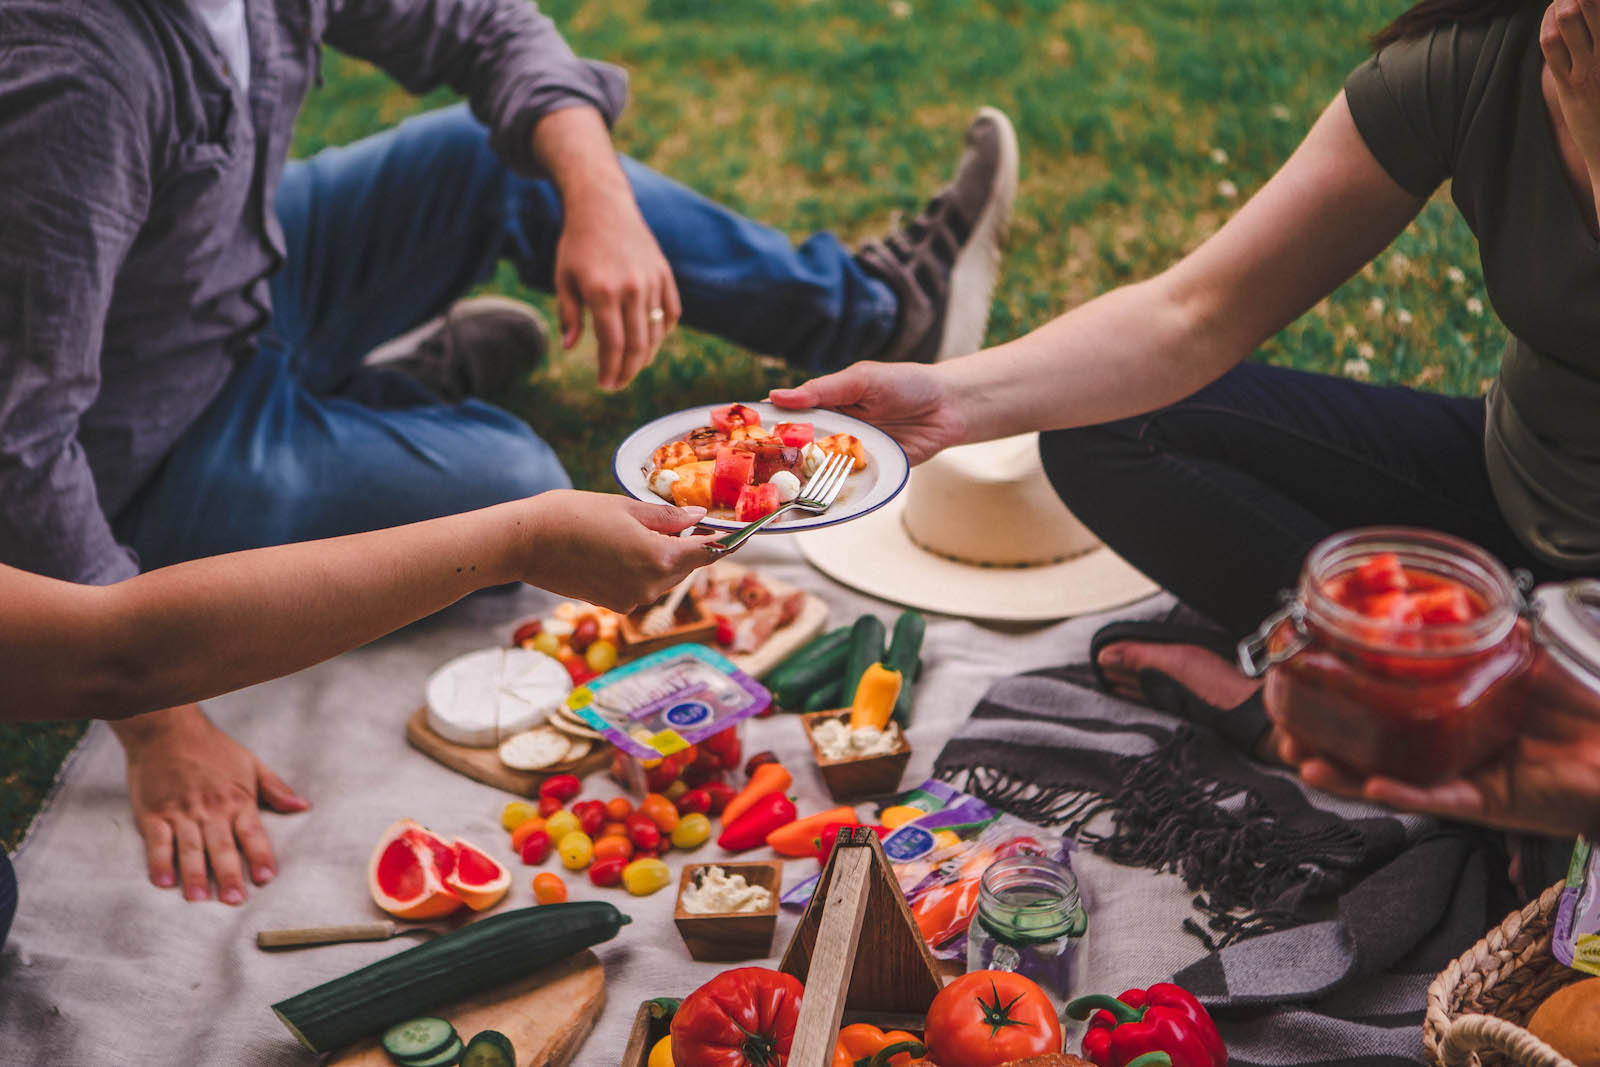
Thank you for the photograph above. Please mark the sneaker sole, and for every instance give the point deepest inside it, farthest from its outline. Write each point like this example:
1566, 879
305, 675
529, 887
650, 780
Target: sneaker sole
407, 342
977, 265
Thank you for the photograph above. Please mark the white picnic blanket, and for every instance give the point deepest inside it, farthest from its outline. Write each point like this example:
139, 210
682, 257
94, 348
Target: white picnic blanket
102, 969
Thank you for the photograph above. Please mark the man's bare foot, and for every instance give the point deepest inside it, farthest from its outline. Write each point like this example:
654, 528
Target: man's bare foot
1199, 670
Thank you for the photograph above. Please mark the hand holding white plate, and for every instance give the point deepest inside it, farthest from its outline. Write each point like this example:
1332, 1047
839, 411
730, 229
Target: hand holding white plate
865, 491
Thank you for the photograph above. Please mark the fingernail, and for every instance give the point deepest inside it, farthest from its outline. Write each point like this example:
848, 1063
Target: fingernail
165, 881
233, 896
264, 875
196, 893
695, 512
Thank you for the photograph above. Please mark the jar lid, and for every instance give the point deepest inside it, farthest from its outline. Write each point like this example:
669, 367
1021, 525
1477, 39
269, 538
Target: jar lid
1569, 619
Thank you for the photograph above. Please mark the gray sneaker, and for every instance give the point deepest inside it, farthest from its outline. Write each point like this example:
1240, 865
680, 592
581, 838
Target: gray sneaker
480, 347
944, 263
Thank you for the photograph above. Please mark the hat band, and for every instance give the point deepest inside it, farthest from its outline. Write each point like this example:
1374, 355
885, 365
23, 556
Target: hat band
952, 557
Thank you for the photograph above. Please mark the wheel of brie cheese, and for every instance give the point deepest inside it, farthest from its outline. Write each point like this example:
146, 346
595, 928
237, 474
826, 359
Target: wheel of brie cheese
484, 697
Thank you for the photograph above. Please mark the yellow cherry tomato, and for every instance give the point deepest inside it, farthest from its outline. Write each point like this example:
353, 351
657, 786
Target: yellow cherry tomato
548, 888
546, 642
661, 1054
517, 812
561, 824
643, 877
600, 656
576, 850
692, 831
897, 816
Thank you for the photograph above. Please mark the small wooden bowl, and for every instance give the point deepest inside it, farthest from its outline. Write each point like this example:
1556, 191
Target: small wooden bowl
734, 935
691, 623
859, 776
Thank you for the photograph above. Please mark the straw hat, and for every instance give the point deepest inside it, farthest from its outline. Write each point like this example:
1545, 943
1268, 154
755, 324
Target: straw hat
979, 532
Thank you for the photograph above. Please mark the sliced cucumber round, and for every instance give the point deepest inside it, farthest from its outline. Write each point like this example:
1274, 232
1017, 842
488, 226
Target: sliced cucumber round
451, 1054
491, 1048
418, 1038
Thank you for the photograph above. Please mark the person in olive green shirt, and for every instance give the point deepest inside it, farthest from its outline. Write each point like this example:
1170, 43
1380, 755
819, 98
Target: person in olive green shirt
1215, 476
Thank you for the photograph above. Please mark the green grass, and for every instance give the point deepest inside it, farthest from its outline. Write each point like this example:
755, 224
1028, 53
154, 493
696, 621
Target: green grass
837, 114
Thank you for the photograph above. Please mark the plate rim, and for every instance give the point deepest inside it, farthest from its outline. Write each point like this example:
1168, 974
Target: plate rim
820, 522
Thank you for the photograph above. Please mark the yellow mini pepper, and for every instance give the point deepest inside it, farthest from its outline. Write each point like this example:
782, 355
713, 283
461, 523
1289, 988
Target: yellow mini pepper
875, 695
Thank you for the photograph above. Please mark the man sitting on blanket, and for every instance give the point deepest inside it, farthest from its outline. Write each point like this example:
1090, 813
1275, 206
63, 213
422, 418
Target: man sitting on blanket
185, 321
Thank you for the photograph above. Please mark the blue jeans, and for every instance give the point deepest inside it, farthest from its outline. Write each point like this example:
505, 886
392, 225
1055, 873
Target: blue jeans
384, 234
1220, 496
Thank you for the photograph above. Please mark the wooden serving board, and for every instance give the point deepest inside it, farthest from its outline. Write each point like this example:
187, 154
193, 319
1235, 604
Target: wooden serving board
483, 764
546, 1015
785, 641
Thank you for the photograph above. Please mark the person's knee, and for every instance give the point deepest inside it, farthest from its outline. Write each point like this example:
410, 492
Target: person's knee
1078, 460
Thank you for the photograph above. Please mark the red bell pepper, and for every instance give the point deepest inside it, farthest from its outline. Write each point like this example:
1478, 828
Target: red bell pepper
830, 834
1164, 1024
751, 828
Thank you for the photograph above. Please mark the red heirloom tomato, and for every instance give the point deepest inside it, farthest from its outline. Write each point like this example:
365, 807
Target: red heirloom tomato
741, 1018
985, 1018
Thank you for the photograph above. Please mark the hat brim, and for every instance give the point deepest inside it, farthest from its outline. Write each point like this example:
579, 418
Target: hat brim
875, 555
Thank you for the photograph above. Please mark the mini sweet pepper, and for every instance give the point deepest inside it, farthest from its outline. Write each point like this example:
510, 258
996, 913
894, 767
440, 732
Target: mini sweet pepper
864, 1045
750, 829
1148, 1027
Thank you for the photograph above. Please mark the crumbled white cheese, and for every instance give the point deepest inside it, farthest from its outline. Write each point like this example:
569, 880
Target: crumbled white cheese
837, 740
716, 892
661, 482
787, 484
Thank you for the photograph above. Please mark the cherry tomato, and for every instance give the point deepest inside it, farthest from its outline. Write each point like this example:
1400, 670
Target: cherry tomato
535, 848
608, 871
520, 834
576, 850
659, 810
660, 776
695, 800
607, 847
758, 760
577, 670
591, 815
549, 806
526, 632
600, 656
548, 888
675, 790
724, 630
548, 643
561, 824
615, 829
720, 793
618, 808
692, 831
642, 831
584, 633
724, 744
561, 786
516, 813
643, 877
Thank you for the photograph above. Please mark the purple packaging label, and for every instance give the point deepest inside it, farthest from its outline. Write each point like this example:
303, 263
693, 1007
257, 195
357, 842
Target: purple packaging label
1575, 938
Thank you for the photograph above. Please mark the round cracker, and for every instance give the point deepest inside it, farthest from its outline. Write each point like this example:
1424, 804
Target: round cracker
534, 750
573, 731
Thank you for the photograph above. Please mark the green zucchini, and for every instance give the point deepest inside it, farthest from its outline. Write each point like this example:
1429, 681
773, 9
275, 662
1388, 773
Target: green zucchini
819, 661
866, 648
417, 1039
904, 648
475, 958
491, 1048
829, 696
445, 1057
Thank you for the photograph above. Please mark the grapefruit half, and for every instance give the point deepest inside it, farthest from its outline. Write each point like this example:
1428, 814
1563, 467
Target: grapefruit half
478, 878
408, 872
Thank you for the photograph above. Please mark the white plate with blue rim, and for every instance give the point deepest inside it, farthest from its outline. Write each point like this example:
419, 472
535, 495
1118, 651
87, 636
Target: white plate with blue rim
864, 492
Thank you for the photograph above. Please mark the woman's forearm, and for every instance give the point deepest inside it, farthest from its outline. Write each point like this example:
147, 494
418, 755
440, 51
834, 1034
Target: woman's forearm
209, 626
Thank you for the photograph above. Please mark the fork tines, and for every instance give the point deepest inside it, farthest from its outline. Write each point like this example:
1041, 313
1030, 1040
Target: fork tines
824, 486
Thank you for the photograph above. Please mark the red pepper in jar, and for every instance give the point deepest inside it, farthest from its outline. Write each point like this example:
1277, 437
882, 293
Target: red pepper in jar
1164, 1023
750, 829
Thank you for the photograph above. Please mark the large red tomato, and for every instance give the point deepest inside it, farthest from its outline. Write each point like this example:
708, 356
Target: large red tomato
988, 1017
741, 1018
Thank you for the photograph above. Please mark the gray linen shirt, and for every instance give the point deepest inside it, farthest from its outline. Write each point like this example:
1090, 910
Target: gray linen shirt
137, 221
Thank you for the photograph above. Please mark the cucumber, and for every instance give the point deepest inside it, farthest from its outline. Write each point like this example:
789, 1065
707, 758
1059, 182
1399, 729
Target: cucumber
445, 1057
904, 647
817, 662
866, 648
475, 958
829, 696
417, 1039
491, 1048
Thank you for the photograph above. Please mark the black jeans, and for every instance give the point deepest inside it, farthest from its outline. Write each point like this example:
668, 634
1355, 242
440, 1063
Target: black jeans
1220, 496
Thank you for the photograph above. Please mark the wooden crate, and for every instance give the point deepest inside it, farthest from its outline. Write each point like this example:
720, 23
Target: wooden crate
889, 981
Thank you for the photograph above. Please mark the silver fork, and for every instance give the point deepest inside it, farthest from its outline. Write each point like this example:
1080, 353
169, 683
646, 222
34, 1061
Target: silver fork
820, 491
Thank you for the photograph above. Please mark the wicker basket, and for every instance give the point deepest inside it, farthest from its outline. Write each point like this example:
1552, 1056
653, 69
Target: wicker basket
1477, 1005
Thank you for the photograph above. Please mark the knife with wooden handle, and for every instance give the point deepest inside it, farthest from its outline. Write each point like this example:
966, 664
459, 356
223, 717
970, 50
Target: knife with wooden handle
381, 930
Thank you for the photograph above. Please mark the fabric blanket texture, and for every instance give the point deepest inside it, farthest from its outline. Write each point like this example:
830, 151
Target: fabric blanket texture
102, 969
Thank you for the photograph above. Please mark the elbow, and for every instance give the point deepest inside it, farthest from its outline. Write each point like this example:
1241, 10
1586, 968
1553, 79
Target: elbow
115, 687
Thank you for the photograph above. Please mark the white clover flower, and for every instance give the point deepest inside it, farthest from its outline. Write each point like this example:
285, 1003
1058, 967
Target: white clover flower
900, 9
1280, 112
1219, 156
1404, 316
1357, 368
1474, 306
1365, 350
1399, 263
1375, 306
1456, 275
1227, 189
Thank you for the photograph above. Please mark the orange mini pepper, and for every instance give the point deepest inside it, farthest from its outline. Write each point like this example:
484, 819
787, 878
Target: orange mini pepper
801, 837
767, 779
864, 1045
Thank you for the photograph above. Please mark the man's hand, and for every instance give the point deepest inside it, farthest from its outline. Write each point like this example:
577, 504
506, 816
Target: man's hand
607, 260
1569, 36
908, 401
195, 793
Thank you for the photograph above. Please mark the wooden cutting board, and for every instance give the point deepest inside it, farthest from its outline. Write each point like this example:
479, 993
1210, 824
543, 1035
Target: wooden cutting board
483, 764
547, 1015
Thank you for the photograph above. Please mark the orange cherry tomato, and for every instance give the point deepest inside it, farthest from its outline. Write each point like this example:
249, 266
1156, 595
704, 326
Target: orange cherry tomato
618, 808
548, 888
613, 846
661, 811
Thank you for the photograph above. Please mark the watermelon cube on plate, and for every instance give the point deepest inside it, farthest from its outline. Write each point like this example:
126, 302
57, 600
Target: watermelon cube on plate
732, 473
795, 434
755, 501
